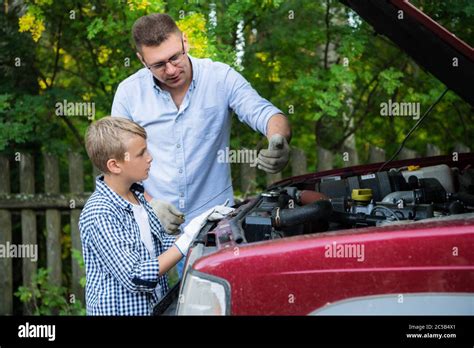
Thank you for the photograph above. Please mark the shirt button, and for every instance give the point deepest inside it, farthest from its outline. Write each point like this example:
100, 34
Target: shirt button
180, 171
178, 146
181, 194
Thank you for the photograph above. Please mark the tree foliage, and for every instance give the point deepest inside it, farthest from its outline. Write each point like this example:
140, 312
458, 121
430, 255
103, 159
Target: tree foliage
316, 60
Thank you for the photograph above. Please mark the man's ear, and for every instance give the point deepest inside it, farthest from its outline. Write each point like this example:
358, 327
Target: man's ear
141, 59
113, 166
186, 43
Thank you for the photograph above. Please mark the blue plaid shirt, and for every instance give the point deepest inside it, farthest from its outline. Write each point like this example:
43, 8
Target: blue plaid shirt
121, 275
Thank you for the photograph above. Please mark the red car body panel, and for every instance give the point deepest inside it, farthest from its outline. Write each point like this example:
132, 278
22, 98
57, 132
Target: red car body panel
293, 275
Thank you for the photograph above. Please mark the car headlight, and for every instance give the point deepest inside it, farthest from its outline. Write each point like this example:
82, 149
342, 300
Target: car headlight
203, 294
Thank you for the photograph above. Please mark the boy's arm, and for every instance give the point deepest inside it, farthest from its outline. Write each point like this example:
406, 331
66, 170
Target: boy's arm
121, 256
169, 258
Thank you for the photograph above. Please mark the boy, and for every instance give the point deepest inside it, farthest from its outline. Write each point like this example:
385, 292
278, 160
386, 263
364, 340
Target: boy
126, 250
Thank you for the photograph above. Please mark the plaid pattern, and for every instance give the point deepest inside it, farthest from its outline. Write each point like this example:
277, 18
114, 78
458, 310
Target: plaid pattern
121, 275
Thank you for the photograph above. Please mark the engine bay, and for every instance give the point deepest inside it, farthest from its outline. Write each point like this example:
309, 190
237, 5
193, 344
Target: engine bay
331, 203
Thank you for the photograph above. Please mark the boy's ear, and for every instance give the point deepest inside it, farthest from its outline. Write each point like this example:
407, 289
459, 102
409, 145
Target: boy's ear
113, 166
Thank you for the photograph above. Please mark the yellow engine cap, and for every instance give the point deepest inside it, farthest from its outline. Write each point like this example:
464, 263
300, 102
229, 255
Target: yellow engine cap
413, 168
362, 195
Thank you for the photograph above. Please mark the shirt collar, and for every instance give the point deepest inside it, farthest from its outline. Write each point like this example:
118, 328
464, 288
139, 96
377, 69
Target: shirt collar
118, 200
195, 69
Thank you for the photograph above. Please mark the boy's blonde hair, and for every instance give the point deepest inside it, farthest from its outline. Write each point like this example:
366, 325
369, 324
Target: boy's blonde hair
105, 139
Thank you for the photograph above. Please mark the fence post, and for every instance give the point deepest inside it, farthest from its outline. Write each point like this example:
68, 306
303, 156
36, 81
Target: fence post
352, 154
299, 164
408, 154
95, 173
28, 218
248, 179
53, 220
325, 158
271, 178
376, 154
461, 148
6, 280
76, 185
432, 150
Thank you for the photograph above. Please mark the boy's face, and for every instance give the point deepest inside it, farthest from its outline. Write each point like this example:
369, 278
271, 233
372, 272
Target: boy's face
137, 161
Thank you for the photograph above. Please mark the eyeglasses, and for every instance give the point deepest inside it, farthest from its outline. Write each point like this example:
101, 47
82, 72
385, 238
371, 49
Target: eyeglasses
174, 60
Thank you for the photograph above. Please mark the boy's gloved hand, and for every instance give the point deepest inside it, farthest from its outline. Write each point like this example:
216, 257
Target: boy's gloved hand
220, 211
169, 216
193, 228
275, 158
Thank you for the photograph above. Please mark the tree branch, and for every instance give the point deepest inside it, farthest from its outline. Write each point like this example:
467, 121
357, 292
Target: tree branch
91, 51
81, 77
326, 48
74, 131
58, 46
360, 121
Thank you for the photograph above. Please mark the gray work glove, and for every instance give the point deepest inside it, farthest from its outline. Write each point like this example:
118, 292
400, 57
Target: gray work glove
275, 158
192, 229
169, 216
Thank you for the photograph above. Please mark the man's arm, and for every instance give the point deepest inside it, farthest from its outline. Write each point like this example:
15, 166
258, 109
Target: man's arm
120, 104
261, 115
278, 124
275, 158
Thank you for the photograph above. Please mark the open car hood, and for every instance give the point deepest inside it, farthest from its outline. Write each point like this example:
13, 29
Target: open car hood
431, 45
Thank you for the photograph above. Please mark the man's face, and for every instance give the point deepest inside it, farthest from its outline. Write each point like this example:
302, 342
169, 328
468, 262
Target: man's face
137, 162
167, 62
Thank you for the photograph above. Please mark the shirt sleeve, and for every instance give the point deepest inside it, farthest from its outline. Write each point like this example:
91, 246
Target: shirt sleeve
120, 105
121, 256
249, 106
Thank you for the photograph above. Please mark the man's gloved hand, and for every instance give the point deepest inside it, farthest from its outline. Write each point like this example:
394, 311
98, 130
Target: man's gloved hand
193, 228
169, 216
275, 158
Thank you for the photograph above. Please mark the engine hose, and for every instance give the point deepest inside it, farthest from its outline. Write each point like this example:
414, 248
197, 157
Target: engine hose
407, 196
307, 197
311, 212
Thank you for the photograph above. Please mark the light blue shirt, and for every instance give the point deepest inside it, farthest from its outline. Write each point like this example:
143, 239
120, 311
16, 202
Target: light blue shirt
184, 143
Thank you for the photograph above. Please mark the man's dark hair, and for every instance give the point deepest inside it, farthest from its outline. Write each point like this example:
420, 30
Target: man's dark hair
153, 29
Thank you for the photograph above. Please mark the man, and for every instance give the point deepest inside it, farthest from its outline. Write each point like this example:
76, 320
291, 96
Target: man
184, 104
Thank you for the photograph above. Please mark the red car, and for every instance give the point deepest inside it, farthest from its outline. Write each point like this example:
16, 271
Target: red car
366, 240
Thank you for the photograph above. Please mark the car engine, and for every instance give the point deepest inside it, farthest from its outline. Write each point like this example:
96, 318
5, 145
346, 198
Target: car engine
333, 203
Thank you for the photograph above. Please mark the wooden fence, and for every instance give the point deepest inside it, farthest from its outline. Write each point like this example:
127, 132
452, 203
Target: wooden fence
28, 204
